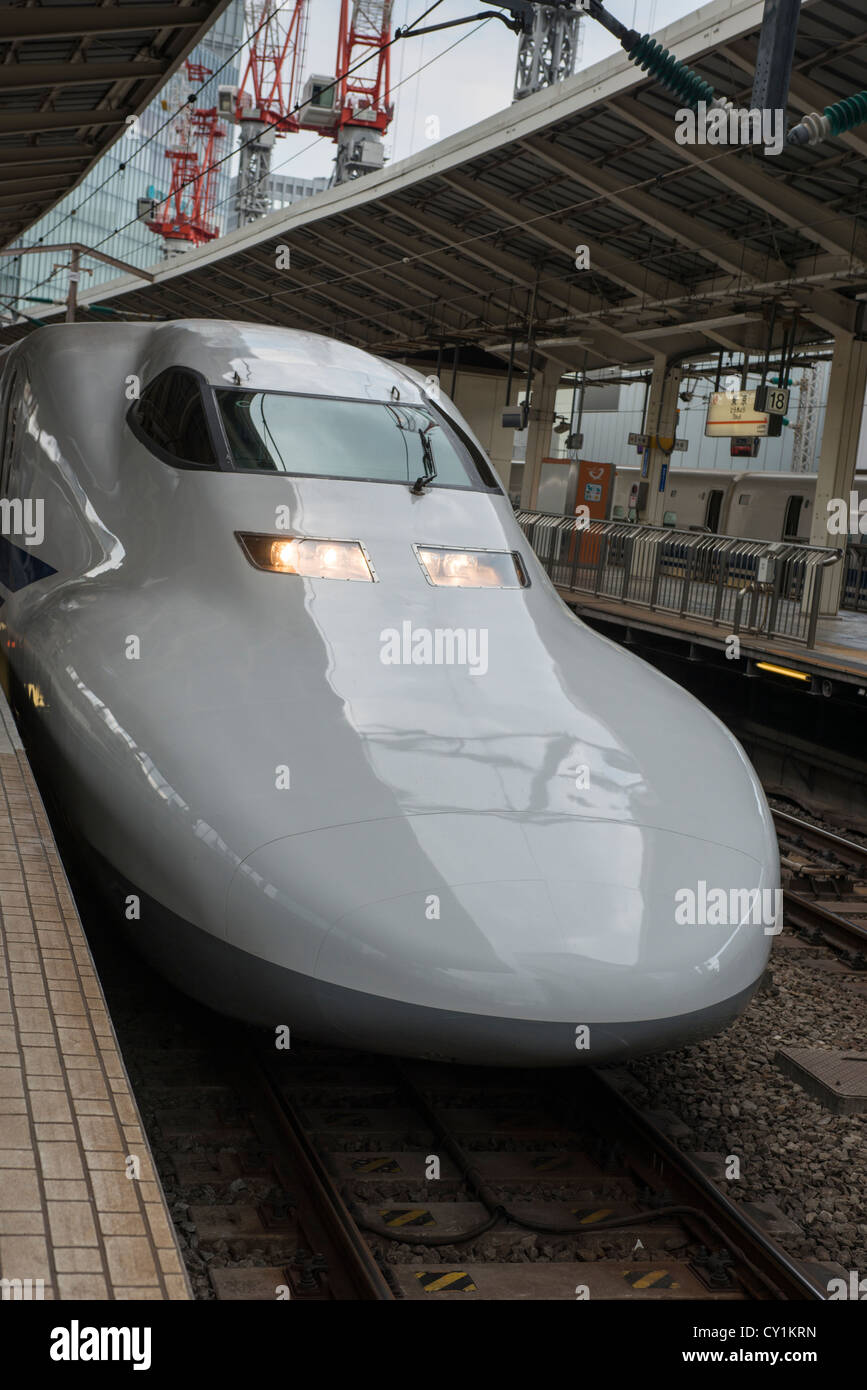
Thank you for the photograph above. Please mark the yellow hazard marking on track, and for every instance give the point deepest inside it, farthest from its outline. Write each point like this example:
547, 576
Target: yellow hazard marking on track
433, 1281
397, 1216
650, 1279
375, 1165
587, 1217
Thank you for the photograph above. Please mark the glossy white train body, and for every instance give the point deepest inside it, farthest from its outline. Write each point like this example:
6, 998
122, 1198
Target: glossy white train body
477, 858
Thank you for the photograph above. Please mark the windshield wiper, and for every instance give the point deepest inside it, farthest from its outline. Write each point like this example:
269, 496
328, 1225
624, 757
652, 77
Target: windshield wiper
430, 468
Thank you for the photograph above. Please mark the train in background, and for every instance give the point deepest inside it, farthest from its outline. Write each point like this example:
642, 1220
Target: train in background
744, 504
747, 504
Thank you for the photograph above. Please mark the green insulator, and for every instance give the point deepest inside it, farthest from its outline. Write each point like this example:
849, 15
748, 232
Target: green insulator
686, 84
846, 114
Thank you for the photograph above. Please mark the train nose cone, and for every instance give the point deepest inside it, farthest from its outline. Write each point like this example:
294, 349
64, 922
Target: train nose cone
500, 938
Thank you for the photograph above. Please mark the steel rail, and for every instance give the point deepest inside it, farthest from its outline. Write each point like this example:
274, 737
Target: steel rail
783, 1276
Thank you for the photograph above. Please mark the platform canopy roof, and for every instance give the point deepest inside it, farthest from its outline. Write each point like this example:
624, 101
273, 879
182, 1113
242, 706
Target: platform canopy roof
70, 73
472, 242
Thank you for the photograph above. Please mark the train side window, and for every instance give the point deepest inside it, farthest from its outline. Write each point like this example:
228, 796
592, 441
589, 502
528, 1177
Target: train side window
792, 518
170, 414
713, 509
10, 422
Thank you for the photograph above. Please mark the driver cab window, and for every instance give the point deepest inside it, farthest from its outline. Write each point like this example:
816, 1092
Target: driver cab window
171, 414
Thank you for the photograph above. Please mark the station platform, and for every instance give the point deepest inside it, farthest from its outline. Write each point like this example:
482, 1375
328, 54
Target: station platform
82, 1215
839, 652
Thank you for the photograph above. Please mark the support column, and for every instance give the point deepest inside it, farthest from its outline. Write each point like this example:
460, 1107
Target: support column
541, 423
840, 436
661, 425
480, 397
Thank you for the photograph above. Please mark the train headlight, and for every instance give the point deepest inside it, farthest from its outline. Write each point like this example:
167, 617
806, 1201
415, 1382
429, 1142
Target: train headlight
302, 555
472, 569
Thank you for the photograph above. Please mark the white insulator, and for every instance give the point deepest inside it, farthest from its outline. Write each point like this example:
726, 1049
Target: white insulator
819, 127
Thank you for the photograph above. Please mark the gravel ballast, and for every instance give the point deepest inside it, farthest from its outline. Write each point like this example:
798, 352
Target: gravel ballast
735, 1099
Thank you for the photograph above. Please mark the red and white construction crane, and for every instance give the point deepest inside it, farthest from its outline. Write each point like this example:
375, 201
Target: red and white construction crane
355, 108
186, 216
352, 108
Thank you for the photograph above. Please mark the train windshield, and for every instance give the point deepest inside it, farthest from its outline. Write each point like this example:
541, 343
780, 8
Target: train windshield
317, 436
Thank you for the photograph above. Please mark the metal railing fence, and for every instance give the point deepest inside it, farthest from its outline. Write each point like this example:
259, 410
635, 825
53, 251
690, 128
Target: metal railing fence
854, 594
750, 586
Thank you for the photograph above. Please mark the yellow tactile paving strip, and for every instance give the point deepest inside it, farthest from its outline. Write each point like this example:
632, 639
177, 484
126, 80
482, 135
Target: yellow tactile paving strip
69, 1126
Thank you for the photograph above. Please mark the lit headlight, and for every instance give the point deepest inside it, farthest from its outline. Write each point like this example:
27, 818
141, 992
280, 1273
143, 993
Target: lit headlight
472, 569
312, 559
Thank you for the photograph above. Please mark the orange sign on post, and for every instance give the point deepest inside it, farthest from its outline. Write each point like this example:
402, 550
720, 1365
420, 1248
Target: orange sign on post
594, 486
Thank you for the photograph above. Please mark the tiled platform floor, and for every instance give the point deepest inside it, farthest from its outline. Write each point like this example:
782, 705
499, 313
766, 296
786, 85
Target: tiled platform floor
69, 1128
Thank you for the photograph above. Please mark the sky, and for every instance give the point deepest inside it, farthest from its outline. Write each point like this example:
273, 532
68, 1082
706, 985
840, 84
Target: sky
460, 76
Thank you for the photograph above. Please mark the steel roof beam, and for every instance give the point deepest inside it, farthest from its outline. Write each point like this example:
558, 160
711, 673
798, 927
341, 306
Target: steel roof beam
28, 155
731, 255
267, 311
11, 177
746, 178
346, 303
77, 21
34, 122
24, 77
42, 182
425, 298
547, 229
442, 273
830, 311
508, 267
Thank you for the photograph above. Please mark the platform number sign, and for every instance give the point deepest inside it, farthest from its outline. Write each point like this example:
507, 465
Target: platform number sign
772, 400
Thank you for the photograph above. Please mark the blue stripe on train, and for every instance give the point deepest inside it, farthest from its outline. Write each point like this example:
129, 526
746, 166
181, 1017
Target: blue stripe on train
18, 567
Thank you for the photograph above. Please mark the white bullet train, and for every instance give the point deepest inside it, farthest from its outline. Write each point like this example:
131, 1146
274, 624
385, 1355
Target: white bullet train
280, 649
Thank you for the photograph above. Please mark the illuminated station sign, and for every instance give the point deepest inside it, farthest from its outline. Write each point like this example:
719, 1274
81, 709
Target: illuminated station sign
733, 415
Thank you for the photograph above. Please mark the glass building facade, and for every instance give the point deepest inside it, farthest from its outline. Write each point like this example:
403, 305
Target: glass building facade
107, 199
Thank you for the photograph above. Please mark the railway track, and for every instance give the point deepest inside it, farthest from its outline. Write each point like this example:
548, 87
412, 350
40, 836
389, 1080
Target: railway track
317, 1175
502, 1186
824, 878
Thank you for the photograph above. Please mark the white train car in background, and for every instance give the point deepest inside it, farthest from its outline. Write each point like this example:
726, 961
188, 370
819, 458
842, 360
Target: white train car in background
763, 506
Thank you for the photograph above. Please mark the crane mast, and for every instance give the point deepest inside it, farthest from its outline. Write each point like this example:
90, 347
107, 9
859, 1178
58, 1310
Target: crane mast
263, 103
365, 96
354, 108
